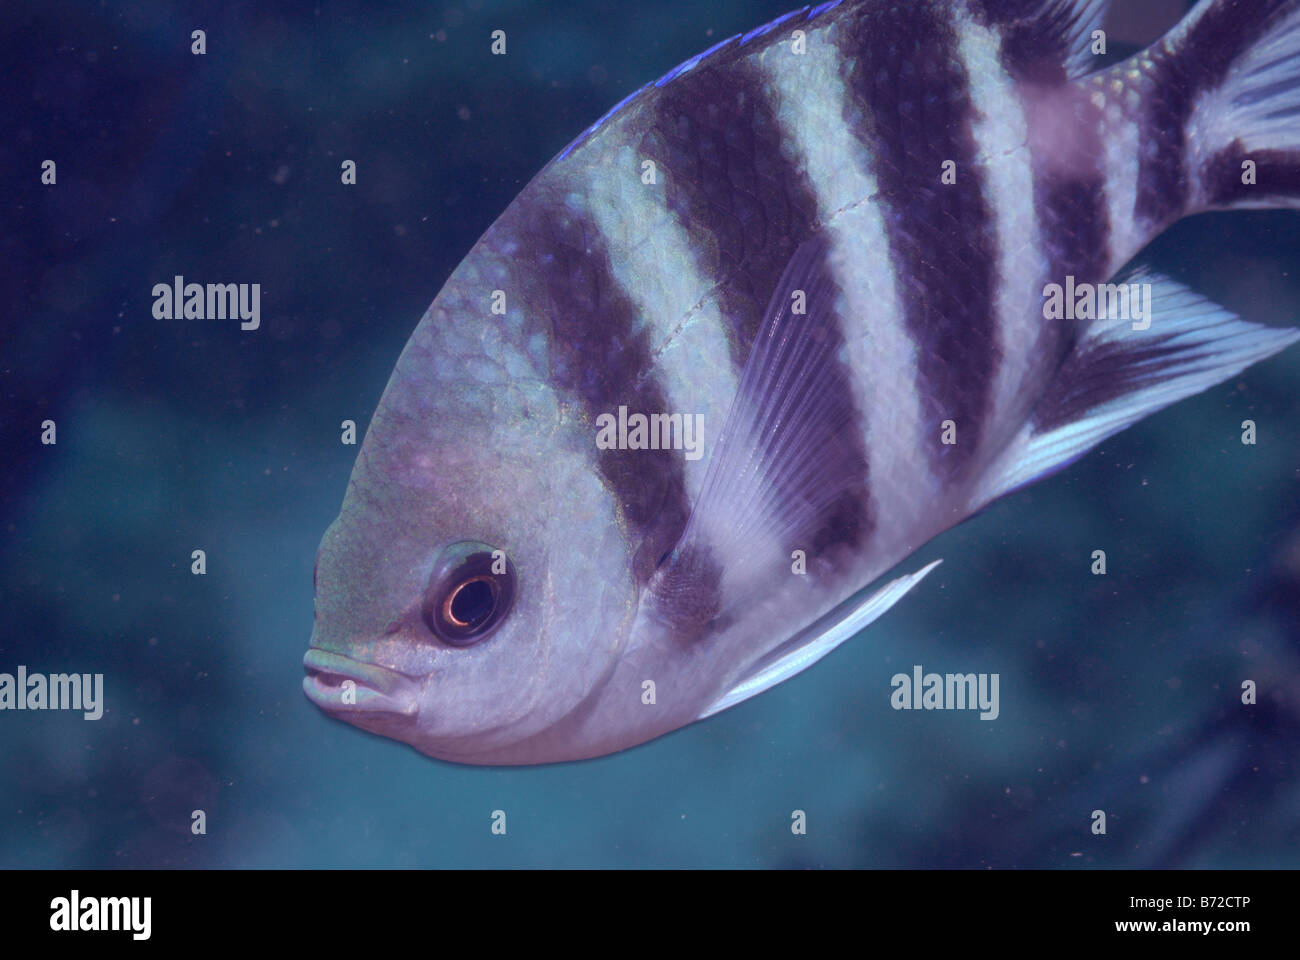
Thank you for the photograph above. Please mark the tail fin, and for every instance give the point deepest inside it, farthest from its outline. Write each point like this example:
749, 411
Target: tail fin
1229, 89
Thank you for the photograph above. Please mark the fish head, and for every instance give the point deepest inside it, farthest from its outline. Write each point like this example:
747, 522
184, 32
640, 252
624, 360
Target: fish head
474, 591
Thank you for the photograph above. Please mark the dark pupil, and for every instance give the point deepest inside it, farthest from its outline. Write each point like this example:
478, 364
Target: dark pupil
472, 602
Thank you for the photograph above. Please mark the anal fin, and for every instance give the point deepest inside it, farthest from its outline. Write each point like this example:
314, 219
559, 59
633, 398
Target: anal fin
1121, 372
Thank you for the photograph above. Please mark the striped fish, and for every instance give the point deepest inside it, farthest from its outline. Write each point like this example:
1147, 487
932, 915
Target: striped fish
872, 253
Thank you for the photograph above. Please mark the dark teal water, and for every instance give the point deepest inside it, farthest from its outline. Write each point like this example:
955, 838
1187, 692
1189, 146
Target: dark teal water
1118, 693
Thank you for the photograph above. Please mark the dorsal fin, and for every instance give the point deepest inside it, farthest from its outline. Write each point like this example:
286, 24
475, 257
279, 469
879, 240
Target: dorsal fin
794, 19
1045, 41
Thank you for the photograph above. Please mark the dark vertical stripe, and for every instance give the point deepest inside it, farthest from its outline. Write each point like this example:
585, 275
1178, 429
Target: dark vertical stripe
1199, 63
716, 140
600, 357
747, 205
909, 105
1037, 35
1074, 223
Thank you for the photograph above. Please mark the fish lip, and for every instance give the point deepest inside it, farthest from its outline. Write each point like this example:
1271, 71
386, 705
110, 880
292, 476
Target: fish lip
379, 690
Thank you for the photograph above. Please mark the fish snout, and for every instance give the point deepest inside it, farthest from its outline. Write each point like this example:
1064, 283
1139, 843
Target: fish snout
346, 687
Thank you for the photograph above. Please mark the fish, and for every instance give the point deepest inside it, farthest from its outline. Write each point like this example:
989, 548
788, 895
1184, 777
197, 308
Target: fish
881, 259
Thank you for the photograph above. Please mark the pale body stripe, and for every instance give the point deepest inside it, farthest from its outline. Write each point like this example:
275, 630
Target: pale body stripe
653, 261
1117, 97
1001, 130
809, 99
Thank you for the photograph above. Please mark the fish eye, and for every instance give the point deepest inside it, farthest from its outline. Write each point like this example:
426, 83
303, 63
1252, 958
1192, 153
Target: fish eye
470, 592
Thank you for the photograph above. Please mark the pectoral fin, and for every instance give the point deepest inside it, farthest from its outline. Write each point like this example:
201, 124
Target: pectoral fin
788, 461
821, 638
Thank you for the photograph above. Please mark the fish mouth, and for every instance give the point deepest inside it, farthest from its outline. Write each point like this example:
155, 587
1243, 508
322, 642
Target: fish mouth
374, 690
